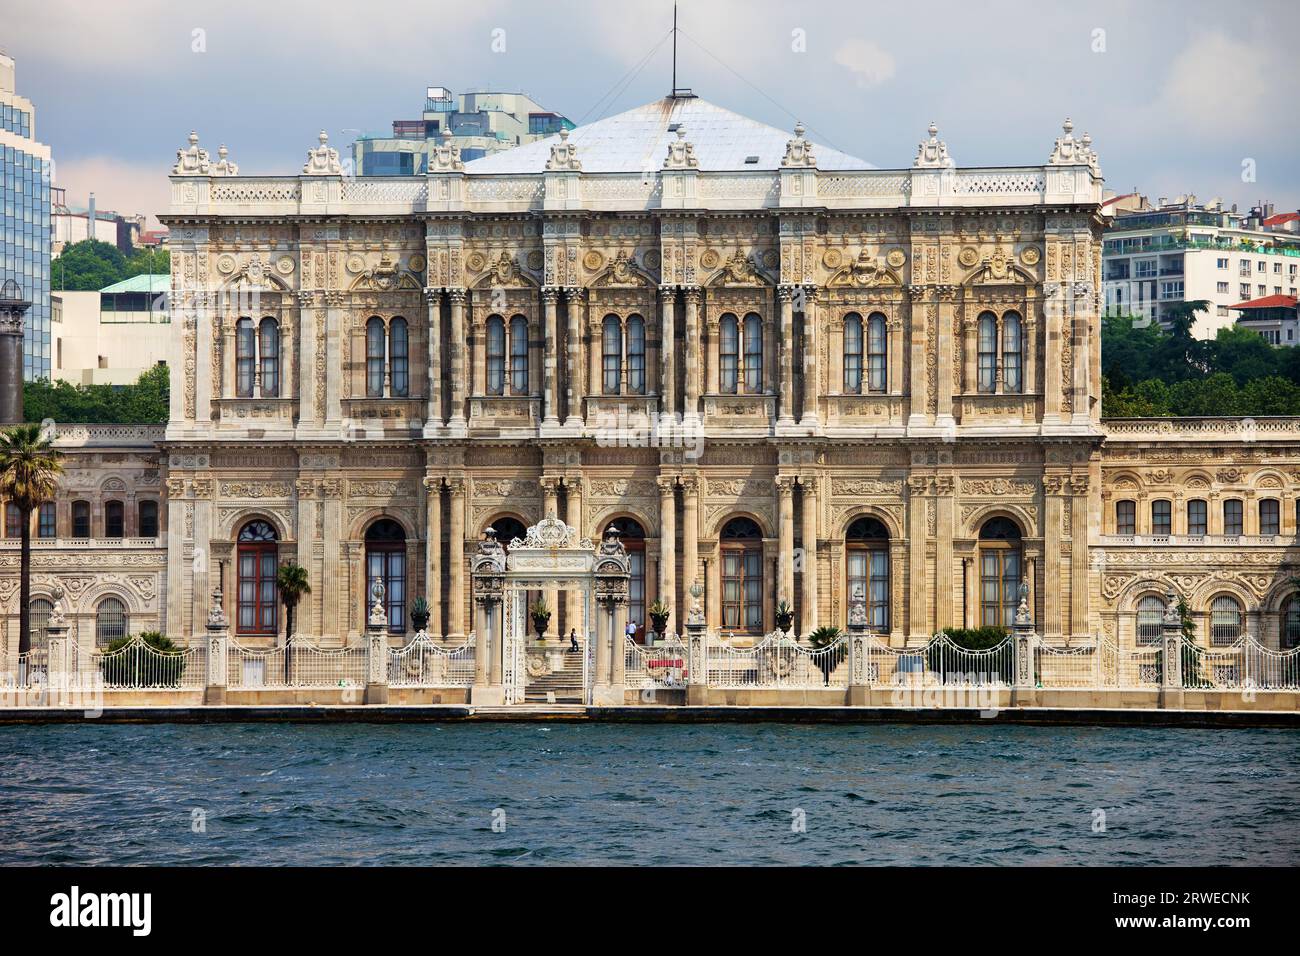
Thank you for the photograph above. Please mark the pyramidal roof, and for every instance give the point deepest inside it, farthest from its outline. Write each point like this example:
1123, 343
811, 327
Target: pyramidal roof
638, 140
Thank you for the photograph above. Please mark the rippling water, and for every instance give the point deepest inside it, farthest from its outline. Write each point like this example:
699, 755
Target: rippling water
646, 794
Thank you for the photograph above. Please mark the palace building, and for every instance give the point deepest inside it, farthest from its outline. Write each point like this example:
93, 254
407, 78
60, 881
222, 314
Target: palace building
780, 372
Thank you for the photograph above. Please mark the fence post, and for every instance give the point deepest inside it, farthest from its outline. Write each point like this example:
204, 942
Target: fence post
377, 649
218, 628
1023, 648
859, 689
56, 660
1171, 665
697, 644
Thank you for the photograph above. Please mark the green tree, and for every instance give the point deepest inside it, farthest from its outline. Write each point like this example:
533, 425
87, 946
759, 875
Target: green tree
144, 403
87, 266
29, 475
291, 582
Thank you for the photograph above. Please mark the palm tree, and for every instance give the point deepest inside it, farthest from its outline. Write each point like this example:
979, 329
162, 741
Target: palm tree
291, 582
29, 476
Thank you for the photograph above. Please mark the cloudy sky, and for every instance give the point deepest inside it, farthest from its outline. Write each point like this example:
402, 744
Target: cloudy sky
1177, 95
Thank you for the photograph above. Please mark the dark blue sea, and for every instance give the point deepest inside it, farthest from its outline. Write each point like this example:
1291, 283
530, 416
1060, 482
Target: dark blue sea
646, 794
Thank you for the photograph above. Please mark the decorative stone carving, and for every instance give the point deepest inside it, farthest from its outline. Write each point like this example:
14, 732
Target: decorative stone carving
192, 160
323, 160
564, 155
681, 154
932, 153
798, 151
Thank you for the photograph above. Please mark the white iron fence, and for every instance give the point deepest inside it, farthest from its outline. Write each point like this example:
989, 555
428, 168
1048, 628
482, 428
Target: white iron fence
299, 663
138, 666
661, 665
425, 663
778, 661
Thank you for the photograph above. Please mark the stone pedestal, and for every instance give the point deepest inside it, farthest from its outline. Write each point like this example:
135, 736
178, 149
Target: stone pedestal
697, 651
377, 664
218, 628
1171, 662
1026, 644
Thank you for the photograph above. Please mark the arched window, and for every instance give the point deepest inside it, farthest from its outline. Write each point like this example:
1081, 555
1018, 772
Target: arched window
611, 348
386, 561
519, 355
633, 537
1150, 620
1197, 516
1012, 353
867, 544
742, 576
81, 519
508, 528
1226, 620
148, 519
753, 353
988, 352
728, 353
375, 357
852, 353
256, 558
38, 619
13, 521
1270, 516
1126, 517
1290, 636
46, 520
245, 357
1232, 512
1162, 516
1000, 572
399, 357
496, 355
877, 363
635, 355
270, 345
111, 621
114, 526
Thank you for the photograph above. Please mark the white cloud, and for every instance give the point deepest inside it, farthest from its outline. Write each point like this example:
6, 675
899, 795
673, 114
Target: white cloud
1218, 86
868, 62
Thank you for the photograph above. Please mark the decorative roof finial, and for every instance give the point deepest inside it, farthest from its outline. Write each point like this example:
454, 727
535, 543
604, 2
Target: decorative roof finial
798, 151
681, 154
223, 166
932, 153
191, 160
564, 155
323, 160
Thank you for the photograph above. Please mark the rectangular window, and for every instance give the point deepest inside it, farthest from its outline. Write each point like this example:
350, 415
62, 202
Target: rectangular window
1161, 515
1222, 288
1243, 268
1270, 516
1243, 290
114, 526
13, 521
46, 521
1125, 517
1144, 268
1222, 263
81, 519
1232, 512
1197, 517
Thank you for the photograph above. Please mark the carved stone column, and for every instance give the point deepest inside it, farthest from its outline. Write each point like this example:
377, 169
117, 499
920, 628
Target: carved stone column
551, 508
574, 304
917, 585
433, 553
916, 359
1052, 343
668, 545
457, 353
785, 294
433, 412
785, 537
335, 329
943, 505
573, 518
550, 373
811, 356
809, 617
1054, 486
692, 370
947, 307
1080, 591
456, 556
691, 534
668, 385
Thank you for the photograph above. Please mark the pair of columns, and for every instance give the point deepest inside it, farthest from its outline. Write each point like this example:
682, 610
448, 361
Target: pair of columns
668, 590
805, 560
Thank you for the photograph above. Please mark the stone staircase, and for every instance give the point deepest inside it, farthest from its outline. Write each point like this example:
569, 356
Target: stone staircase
565, 683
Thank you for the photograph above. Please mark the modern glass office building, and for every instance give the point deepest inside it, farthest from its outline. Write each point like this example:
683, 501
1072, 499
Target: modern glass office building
25, 234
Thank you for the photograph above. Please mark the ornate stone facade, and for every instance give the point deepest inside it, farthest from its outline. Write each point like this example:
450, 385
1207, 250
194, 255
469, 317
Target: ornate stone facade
674, 348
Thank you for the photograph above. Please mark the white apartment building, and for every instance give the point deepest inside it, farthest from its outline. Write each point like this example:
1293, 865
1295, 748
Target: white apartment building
109, 337
1158, 256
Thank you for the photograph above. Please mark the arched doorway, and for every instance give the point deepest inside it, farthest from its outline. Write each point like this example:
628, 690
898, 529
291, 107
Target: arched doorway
1001, 570
633, 537
867, 545
386, 562
741, 543
256, 557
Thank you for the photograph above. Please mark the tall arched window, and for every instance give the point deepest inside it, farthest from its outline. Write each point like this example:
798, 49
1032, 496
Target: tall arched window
496, 355
519, 355
1290, 636
633, 537
386, 561
1012, 353
38, 620
1150, 620
375, 357
1000, 572
635, 355
148, 519
399, 357
742, 576
753, 353
1226, 620
256, 558
867, 544
1270, 516
728, 353
81, 519
852, 353
988, 352
114, 523
1162, 516
1232, 516
245, 357
1197, 516
13, 521
611, 349
46, 520
1126, 517
877, 361
111, 621
270, 346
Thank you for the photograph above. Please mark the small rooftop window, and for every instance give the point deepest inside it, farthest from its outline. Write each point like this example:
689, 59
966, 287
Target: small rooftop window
749, 160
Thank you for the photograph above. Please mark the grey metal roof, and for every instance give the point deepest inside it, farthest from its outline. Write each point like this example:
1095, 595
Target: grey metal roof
638, 139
